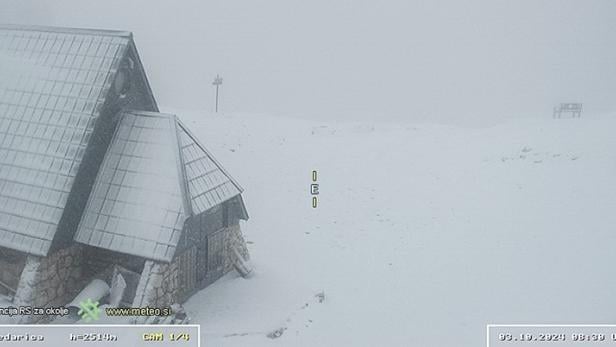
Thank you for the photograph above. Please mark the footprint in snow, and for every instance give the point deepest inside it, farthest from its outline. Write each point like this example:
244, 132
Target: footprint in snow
319, 297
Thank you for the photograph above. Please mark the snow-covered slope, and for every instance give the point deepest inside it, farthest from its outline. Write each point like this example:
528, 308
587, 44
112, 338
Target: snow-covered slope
423, 235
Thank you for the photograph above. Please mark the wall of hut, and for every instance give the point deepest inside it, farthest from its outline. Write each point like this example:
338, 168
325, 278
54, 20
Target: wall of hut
50, 281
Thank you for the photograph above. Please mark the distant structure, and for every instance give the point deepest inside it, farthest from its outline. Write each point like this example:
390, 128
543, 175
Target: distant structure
217, 82
95, 183
575, 109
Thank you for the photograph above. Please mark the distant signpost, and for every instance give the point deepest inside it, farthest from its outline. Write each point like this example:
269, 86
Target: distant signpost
217, 82
575, 109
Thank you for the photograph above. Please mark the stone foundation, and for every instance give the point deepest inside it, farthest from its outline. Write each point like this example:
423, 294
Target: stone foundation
56, 279
50, 281
234, 238
159, 283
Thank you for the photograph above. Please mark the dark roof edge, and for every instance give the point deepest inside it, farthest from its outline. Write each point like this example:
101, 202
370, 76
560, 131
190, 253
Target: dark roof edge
133, 47
120, 33
150, 114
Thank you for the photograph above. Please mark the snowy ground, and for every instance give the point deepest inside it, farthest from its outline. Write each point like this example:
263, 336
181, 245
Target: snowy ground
424, 233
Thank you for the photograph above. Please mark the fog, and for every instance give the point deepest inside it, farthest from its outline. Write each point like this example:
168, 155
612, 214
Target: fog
477, 61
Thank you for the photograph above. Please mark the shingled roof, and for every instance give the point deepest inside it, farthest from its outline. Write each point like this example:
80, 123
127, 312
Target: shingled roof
155, 175
53, 85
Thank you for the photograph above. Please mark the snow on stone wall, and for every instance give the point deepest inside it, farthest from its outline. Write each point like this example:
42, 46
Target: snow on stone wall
159, 284
50, 281
234, 239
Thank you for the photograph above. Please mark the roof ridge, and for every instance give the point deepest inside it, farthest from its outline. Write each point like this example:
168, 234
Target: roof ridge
183, 180
83, 31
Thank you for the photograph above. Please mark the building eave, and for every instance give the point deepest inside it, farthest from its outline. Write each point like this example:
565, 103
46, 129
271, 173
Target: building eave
41, 28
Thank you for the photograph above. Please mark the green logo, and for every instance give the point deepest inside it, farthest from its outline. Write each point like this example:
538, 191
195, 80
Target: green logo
89, 310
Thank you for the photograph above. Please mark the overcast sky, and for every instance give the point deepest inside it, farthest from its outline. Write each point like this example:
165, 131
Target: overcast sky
418, 60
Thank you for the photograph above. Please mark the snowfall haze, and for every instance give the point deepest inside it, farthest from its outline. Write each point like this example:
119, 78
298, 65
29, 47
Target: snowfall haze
449, 197
441, 61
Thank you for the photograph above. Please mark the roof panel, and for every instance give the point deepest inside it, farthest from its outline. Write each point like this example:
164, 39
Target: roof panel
139, 191
51, 87
208, 183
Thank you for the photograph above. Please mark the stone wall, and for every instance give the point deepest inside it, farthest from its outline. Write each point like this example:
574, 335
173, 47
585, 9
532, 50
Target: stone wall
56, 279
50, 281
234, 238
159, 283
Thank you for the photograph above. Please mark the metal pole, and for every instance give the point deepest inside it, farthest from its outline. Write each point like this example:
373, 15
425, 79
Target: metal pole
217, 82
217, 98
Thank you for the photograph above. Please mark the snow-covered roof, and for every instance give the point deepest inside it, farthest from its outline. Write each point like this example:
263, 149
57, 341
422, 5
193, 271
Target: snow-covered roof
155, 174
49, 29
208, 182
53, 83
